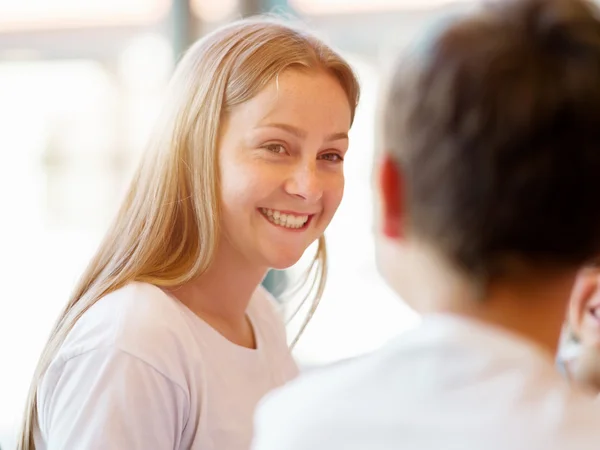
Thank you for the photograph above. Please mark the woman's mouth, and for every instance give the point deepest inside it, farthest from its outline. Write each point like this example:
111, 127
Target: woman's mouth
286, 219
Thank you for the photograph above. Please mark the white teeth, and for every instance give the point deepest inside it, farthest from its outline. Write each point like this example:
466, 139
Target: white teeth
284, 220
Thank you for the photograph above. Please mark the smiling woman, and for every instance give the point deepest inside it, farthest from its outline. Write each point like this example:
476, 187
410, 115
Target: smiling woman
168, 341
287, 144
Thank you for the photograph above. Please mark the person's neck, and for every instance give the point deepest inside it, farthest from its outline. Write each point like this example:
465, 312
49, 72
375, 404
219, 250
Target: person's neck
533, 308
224, 291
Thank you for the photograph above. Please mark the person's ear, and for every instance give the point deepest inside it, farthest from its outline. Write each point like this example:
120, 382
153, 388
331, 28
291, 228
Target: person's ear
581, 295
391, 192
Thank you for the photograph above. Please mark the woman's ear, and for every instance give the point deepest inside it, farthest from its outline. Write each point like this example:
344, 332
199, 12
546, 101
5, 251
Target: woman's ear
391, 193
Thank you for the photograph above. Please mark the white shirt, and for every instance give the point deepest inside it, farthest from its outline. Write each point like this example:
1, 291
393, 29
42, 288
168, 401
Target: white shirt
450, 384
140, 371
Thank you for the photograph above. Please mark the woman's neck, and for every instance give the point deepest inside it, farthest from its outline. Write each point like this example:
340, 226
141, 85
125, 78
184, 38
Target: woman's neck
224, 291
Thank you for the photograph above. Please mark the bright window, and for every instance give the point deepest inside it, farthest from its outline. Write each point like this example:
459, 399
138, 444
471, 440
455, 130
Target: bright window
31, 14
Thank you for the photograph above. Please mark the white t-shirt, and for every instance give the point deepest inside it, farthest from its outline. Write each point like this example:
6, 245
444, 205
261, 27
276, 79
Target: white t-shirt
450, 384
140, 371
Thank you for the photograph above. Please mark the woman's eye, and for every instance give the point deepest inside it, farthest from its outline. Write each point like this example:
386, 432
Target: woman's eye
275, 148
332, 157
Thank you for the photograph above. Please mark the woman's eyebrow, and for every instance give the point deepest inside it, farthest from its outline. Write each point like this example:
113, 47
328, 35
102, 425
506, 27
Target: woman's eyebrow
302, 133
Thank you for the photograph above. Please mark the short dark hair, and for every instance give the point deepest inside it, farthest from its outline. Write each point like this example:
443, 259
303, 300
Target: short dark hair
497, 132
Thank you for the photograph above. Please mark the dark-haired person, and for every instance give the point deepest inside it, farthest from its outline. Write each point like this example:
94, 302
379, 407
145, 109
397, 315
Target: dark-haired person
488, 188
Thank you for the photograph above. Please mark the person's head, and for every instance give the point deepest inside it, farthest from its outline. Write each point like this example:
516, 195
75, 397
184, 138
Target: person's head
281, 153
255, 125
491, 149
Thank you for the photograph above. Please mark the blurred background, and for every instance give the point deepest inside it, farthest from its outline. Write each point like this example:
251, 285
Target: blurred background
80, 84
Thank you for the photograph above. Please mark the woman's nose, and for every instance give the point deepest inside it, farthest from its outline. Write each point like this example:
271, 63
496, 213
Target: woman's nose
305, 183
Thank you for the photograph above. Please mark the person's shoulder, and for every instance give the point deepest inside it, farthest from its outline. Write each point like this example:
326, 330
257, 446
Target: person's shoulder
577, 419
313, 385
300, 414
364, 399
134, 338
139, 319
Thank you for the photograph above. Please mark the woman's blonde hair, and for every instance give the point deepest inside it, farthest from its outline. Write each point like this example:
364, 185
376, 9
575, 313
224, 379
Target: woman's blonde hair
166, 230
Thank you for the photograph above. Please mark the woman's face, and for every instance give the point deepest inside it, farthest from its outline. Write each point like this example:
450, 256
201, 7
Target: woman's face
281, 167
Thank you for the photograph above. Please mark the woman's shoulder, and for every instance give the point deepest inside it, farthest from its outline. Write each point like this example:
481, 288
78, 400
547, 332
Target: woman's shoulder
128, 350
139, 319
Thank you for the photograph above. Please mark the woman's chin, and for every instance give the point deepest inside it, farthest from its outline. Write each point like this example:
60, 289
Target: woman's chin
281, 260
283, 263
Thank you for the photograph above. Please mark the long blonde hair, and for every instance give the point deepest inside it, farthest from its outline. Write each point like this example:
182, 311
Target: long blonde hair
166, 230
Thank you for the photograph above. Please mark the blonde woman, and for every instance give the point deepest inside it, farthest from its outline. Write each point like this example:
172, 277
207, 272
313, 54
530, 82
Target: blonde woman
169, 341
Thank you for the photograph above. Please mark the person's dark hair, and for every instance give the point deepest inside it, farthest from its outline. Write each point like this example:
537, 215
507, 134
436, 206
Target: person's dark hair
497, 131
